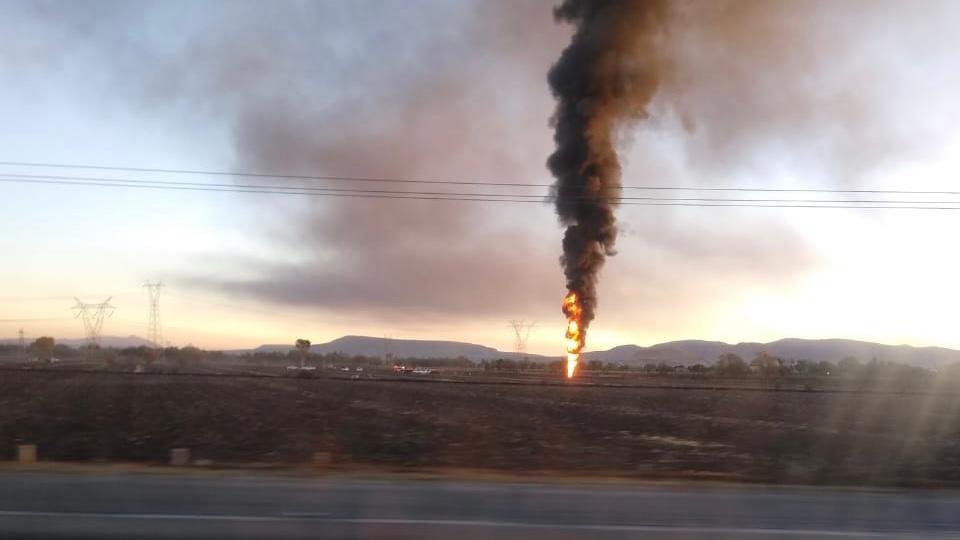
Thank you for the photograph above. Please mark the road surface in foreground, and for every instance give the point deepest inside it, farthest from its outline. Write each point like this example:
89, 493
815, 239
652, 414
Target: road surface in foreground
129, 506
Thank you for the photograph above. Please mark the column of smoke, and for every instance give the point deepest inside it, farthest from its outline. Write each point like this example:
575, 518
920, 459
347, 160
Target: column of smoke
605, 77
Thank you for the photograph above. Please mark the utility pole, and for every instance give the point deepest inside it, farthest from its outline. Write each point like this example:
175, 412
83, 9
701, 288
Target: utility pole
387, 353
154, 330
92, 316
521, 330
21, 345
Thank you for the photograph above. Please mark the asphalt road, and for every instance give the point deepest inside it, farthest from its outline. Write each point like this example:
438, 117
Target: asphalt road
130, 506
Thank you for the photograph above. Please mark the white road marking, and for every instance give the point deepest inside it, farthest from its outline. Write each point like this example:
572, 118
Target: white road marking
320, 518
125, 515
611, 528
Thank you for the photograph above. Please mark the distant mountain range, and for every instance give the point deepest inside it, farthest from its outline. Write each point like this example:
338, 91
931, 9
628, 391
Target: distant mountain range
399, 348
686, 352
691, 352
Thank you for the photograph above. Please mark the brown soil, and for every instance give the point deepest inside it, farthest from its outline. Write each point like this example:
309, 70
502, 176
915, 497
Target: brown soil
879, 438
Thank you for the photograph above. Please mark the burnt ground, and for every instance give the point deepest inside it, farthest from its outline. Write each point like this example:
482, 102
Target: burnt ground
815, 437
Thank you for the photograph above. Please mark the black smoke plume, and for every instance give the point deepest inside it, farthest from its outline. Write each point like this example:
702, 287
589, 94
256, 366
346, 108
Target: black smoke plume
605, 77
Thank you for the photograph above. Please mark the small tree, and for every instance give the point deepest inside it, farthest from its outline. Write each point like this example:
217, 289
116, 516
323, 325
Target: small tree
188, 356
303, 345
732, 365
849, 365
43, 347
766, 365
109, 357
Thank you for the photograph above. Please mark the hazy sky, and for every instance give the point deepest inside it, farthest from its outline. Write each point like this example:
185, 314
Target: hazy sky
816, 94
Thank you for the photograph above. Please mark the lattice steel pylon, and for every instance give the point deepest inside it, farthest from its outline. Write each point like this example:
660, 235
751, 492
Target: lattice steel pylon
92, 316
154, 330
521, 329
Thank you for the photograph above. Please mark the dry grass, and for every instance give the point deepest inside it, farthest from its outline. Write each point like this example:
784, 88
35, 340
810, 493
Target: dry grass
488, 429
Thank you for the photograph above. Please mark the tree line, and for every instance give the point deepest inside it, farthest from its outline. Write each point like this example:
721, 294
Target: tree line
45, 349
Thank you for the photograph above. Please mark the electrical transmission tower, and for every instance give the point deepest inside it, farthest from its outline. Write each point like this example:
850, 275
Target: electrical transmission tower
92, 316
21, 345
154, 331
521, 329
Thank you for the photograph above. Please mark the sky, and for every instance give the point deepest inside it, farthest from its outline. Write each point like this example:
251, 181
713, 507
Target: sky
775, 94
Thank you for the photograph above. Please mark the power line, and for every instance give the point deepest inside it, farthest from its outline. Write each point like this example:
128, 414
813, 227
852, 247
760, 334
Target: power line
295, 189
705, 202
121, 182
39, 319
44, 298
278, 191
337, 178
263, 311
333, 178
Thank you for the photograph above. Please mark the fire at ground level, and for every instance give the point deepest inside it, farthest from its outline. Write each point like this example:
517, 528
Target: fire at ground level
576, 334
815, 437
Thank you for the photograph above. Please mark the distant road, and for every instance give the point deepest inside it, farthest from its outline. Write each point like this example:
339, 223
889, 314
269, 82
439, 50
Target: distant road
132, 506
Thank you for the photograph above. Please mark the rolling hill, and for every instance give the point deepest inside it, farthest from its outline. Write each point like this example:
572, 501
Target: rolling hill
399, 348
706, 352
687, 352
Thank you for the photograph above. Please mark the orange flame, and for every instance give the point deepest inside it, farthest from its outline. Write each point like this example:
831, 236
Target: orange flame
575, 335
